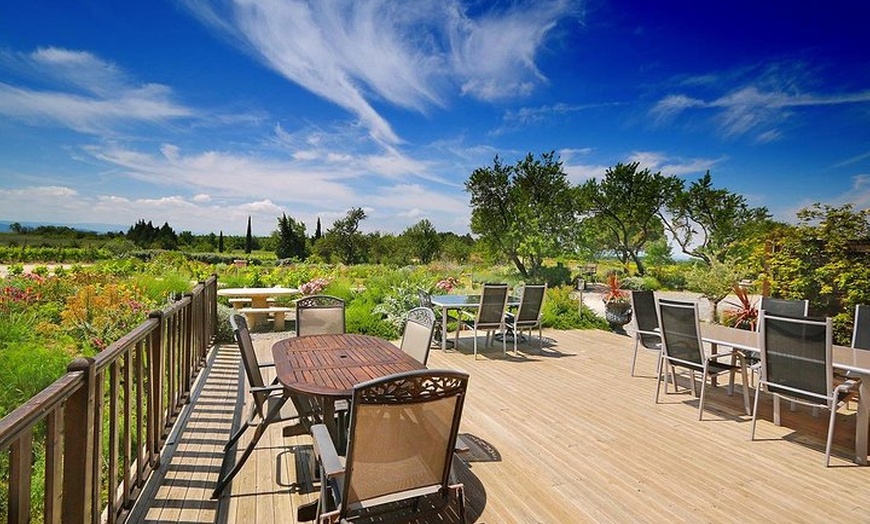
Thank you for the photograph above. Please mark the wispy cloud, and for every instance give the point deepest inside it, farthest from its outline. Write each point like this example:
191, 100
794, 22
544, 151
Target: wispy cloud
409, 54
523, 117
90, 94
758, 105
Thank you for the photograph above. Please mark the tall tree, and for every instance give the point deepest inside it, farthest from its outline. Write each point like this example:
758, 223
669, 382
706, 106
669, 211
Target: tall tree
249, 238
221, 242
346, 237
423, 241
291, 238
317, 231
523, 212
624, 208
707, 222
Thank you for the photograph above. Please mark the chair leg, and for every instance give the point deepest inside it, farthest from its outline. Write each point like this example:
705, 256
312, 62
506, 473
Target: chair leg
659, 382
258, 433
754, 413
704, 378
634, 357
830, 440
777, 411
745, 388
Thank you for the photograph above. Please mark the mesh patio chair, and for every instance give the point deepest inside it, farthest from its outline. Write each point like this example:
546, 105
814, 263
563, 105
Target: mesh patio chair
646, 326
401, 443
268, 403
861, 327
417, 336
528, 314
682, 347
319, 315
490, 315
797, 364
785, 307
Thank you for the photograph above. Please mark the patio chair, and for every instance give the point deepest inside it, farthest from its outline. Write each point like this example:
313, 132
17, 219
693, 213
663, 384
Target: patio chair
861, 327
785, 307
268, 403
417, 336
528, 314
425, 300
646, 326
797, 364
490, 315
319, 315
682, 347
401, 442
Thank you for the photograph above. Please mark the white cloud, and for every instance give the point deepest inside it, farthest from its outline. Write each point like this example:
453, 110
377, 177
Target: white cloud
406, 53
768, 98
92, 95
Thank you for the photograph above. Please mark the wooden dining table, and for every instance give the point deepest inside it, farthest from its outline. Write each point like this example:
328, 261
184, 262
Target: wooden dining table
328, 367
854, 361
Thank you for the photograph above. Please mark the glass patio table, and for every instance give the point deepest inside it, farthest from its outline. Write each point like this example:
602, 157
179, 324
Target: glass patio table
447, 303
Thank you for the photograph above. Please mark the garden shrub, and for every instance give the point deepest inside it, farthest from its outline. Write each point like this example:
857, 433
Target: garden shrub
223, 329
561, 311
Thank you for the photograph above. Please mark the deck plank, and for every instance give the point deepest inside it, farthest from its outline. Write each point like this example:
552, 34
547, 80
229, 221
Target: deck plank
564, 436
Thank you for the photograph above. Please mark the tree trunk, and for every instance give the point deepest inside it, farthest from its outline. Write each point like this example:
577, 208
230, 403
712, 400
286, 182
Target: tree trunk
520, 266
637, 261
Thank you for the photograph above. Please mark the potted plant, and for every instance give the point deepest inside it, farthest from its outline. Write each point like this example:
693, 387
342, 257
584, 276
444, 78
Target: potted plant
617, 307
745, 316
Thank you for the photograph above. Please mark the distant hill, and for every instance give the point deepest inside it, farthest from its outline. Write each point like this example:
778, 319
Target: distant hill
97, 228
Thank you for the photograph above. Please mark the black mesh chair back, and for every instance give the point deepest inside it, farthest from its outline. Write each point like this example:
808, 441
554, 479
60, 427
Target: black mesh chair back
529, 311
643, 309
493, 299
249, 361
861, 328
785, 307
796, 356
681, 339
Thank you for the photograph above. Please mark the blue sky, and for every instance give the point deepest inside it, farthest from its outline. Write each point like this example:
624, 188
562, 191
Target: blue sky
202, 113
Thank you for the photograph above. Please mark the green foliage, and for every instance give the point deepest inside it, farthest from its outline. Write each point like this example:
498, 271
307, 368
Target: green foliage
423, 241
344, 239
523, 212
359, 319
708, 223
716, 280
824, 259
623, 209
561, 311
290, 238
223, 329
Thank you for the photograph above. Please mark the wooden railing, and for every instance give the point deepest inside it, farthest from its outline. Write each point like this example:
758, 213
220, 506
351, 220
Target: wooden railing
106, 420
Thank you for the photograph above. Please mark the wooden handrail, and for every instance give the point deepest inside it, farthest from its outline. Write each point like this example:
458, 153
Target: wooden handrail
135, 388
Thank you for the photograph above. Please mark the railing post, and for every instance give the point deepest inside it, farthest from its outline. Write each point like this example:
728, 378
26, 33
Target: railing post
78, 457
155, 391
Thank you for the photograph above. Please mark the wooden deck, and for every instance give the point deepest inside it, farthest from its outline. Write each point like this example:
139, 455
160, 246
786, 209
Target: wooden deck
564, 436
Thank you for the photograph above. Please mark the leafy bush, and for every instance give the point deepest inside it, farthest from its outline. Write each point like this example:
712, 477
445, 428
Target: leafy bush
359, 319
223, 329
561, 311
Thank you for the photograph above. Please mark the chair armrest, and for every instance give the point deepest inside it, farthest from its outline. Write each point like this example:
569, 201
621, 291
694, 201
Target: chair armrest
656, 333
266, 365
324, 448
271, 387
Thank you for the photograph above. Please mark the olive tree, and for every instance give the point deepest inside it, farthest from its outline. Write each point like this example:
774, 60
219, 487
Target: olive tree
708, 223
623, 209
523, 212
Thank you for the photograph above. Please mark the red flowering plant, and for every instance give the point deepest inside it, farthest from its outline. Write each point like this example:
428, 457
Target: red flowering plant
447, 284
615, 293
745, 315
314, 286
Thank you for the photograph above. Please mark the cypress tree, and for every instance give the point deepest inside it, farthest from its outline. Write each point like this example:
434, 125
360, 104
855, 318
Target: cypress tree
221, 242
249, 239
317, 231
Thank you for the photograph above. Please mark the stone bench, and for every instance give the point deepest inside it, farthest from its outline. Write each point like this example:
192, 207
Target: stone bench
277, 313
239, 303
